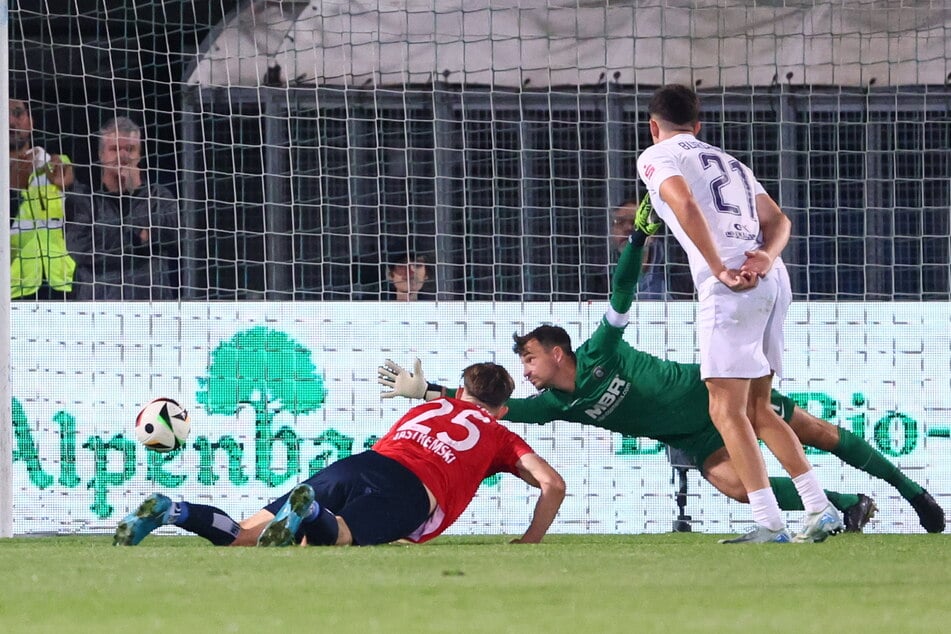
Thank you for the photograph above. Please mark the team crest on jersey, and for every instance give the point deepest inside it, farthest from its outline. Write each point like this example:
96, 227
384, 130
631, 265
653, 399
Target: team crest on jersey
598, 372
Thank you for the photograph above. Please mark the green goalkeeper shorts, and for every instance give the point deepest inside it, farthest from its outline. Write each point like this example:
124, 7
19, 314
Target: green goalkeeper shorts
701, 445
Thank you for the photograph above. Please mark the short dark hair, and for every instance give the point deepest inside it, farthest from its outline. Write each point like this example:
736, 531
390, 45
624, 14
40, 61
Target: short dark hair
627, 202
19, 91
407, 257
547, 336
676, 104
489, 383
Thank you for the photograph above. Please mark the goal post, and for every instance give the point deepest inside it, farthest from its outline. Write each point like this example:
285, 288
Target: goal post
6, 423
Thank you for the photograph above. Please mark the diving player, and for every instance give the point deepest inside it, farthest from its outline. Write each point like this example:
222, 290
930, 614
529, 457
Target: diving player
413, 484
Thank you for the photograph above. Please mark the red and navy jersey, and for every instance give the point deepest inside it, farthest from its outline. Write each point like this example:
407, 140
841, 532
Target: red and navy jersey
452, 446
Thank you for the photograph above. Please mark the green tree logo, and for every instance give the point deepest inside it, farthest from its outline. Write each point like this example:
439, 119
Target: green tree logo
271, 372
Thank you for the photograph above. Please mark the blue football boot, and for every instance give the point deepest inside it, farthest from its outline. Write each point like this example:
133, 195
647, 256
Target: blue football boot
151, 514
281, 530
818, 526
761, 535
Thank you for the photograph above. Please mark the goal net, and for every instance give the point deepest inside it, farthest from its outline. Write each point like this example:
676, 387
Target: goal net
301, 160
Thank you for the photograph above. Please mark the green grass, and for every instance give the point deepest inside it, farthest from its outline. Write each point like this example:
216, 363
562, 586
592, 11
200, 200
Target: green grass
639, 583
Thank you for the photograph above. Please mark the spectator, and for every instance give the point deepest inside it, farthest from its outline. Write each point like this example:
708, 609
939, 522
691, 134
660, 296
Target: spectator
127, 247
40, 264
408, 276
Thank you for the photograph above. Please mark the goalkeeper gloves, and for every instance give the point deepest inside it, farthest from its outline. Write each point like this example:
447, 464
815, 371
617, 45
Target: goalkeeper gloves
646, 222
403, 383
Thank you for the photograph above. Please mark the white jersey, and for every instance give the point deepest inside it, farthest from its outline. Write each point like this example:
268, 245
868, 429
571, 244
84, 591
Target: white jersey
724, 188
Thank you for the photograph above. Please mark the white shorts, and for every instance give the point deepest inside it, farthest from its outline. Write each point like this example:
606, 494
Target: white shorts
741, 334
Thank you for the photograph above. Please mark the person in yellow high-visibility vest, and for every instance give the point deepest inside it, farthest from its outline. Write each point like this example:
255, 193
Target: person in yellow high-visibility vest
39, 256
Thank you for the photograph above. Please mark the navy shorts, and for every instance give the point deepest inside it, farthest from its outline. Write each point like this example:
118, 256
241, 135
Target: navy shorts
379, 499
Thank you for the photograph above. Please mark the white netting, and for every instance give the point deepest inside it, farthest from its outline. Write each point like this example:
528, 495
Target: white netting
306, 146
294, 151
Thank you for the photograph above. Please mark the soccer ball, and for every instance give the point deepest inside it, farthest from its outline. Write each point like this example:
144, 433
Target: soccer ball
162, 425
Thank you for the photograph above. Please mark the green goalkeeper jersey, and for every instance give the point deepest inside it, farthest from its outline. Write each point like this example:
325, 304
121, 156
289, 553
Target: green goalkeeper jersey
631, 392
620, 388
624, 390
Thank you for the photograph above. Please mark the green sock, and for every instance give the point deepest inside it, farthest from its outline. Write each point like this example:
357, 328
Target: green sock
786, 494
789, 500
842, 501
861, 455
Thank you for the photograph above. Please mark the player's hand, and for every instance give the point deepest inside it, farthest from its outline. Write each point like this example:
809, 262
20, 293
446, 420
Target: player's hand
646, 223
60, 170
737, 280
401, 382
758, 262
646, 219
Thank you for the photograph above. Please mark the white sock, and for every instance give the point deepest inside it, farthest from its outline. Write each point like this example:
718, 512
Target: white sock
814, 499
766, 510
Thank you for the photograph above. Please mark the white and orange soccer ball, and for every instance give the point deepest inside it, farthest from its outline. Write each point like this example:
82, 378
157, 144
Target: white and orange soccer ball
162, 425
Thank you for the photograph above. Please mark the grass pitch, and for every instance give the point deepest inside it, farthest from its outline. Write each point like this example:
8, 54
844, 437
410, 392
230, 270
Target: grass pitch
587, 583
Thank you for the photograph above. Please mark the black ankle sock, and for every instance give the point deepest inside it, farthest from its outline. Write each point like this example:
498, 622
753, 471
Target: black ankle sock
207, 521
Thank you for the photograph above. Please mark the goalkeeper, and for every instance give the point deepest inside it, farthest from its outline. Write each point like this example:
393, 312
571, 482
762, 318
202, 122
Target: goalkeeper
609, 384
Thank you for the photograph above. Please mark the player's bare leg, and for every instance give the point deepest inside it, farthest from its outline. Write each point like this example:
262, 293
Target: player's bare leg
728, 410
251, 528
778, 436
822, 518
857, 509
718, 470
813, 431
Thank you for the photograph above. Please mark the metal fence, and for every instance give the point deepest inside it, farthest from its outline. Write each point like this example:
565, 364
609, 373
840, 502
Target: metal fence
305, 193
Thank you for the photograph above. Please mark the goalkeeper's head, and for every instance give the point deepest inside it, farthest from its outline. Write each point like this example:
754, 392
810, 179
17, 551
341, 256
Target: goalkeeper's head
547, 336
489, 384
547, 358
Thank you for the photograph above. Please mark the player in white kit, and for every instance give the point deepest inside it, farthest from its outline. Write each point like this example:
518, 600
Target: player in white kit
733, 233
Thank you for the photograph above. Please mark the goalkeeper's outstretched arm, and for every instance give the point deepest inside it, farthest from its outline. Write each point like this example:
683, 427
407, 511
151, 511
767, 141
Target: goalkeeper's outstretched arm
403, 383
624, 281
624, 284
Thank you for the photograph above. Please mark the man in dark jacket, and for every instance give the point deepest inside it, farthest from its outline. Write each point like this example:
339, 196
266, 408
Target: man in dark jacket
126, 243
